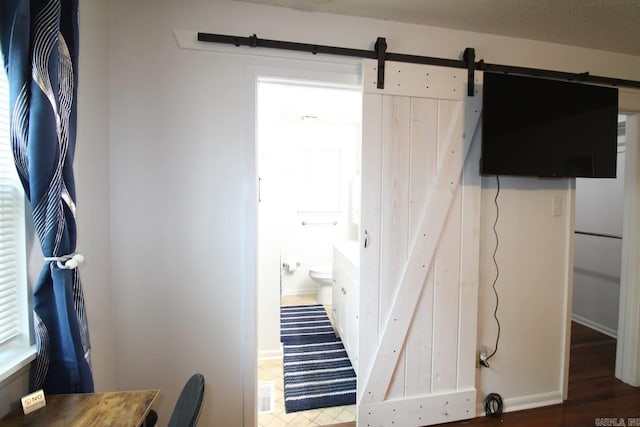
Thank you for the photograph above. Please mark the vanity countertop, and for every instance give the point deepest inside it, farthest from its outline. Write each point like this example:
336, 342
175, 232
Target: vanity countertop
349, 249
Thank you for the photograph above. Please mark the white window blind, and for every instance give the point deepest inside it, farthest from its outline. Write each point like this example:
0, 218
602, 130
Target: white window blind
12, 233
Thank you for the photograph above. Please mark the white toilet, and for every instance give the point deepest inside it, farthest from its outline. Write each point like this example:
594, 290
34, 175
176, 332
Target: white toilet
323, 275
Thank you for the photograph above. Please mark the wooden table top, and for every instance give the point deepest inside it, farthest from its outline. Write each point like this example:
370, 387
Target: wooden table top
119, 408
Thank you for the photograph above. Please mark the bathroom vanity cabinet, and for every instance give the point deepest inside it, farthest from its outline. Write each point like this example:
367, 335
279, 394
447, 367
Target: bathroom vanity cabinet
346, 286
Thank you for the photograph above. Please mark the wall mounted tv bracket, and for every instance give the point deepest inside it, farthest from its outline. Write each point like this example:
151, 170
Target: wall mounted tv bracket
381, 55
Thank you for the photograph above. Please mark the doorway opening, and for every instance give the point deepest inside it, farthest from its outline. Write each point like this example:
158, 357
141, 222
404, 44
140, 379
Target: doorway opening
598, 246
308, 147
597, 270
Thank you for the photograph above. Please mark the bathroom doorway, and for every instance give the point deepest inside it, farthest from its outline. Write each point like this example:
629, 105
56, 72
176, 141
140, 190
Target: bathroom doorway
597, 269
308, 166
598, 246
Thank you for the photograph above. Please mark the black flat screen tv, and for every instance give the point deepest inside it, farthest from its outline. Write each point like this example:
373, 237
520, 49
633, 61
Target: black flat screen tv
548, 128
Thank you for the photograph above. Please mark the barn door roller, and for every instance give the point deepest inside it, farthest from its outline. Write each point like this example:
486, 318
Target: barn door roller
469, 57
381, 53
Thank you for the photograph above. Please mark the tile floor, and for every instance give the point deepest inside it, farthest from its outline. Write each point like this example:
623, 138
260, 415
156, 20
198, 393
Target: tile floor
271, 370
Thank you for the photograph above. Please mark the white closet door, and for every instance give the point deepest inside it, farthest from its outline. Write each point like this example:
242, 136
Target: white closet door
420, 267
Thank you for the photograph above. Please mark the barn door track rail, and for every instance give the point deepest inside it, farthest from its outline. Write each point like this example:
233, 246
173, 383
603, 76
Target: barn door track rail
380, 54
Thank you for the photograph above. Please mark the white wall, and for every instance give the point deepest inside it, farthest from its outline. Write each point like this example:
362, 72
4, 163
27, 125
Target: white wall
178, 194
534, 257
12, 389
183, 249
92, 171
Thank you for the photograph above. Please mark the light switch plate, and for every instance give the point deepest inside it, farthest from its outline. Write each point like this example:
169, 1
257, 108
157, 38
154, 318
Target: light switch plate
556, 206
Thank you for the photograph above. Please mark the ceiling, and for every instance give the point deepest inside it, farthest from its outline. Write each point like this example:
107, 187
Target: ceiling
612, 25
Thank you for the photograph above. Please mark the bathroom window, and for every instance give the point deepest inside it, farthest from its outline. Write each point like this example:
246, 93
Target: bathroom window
319, 186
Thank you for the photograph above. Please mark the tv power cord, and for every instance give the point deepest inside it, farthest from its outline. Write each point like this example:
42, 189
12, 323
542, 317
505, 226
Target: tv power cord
484, 358
493, 405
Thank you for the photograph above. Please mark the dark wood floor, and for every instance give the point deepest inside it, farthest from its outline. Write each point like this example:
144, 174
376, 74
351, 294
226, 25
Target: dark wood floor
594, 392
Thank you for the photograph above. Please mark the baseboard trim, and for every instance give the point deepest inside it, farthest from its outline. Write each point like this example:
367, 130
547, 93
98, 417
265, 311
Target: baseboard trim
300, 291
593, 325
270, 354
514, 404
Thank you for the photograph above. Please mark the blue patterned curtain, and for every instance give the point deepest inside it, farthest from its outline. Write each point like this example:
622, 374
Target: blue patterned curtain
39, 40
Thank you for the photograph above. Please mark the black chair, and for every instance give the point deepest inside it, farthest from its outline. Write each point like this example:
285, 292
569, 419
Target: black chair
187, 409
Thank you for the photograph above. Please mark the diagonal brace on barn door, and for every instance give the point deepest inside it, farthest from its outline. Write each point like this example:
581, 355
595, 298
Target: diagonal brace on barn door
421, 257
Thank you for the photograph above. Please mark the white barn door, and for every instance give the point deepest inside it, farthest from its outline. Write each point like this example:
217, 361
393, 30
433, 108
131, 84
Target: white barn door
420, 255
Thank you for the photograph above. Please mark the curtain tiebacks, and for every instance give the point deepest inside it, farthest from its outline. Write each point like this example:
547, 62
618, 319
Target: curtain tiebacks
66, 262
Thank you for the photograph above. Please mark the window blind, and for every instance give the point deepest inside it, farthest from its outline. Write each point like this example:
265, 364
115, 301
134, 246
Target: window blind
11, 226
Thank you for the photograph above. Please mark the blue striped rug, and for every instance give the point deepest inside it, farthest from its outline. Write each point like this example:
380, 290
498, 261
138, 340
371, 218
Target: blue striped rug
304, 324
317, 375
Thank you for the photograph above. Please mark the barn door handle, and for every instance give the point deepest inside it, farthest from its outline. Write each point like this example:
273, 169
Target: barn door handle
366, 239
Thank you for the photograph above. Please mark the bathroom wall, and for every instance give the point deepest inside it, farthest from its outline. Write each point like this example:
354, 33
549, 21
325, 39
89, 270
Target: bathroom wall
308, 138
